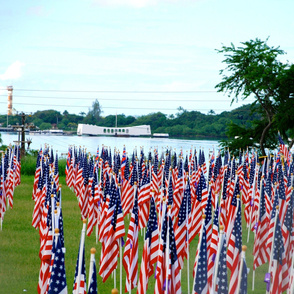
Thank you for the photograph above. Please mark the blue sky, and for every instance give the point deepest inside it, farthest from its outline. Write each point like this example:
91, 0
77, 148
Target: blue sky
135, 57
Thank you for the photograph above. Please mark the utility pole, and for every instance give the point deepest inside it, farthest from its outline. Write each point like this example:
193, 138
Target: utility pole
23, 135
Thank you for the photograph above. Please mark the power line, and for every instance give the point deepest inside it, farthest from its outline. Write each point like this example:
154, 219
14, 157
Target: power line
118, 91
116, 99
110, 107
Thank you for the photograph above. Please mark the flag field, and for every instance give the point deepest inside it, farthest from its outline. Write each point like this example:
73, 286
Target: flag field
19, 247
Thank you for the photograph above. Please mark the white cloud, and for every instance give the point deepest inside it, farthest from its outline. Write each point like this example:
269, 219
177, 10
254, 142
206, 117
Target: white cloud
13, 71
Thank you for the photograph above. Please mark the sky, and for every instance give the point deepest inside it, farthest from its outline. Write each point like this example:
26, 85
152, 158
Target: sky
134, 56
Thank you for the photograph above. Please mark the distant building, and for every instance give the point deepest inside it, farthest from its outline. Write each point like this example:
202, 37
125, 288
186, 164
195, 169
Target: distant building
92, 130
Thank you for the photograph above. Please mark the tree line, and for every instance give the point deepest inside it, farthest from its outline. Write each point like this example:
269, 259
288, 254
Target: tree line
185, 124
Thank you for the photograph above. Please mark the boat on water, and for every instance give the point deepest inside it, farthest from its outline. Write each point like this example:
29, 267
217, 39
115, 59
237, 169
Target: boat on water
93, 130
160, 135
47, 132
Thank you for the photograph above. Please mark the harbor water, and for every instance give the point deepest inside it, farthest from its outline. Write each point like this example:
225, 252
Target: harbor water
60, 143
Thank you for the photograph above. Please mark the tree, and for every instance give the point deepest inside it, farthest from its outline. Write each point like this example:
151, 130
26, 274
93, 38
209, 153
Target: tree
254, 70
284, 118
65, 113
94, 113
211, 112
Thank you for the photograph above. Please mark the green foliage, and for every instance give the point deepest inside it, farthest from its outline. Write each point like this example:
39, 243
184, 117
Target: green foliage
47, 116
94, 114
45, 126
254, 70
154, 120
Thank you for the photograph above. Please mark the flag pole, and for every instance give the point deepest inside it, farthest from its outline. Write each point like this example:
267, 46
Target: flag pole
253, 279
244, 248
60, 195
81, 255
114, 278
92, 260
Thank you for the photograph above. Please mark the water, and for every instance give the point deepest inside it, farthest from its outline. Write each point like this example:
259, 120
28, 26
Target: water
60, 144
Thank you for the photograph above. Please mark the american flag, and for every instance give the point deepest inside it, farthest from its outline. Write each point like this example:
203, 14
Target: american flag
196, 217
213, 247
46, 240
123, 162
173, 283
221, 274
211, 166
80, 277
128, 190
154, 182
91, 195
232, 210
259, 250
104, 221
68, 168
9, 183
283, 148
179, 189
150, 250
37, 173
200, 280
278, 259
57, 282
56, 171
114, 230
282, 194
143, 200
60, 226
17, 165
93, 285
181, 234
83, 200
272, 226
243, 282
234, 250
202, 189
130, 256
287, 231
160, 274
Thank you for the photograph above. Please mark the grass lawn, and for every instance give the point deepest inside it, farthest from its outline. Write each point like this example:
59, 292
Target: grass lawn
19, 247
